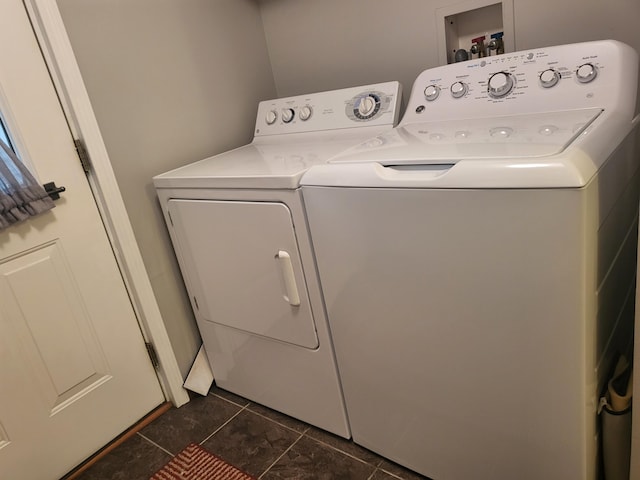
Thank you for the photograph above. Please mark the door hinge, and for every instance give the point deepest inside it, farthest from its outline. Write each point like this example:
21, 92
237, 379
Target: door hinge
83, 155
153, 356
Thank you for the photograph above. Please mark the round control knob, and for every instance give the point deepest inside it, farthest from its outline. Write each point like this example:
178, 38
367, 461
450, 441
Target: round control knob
287, 115
366, 106
586, 73
459, 89
271, 117
500, 84
549, 78
431, 92
305, 113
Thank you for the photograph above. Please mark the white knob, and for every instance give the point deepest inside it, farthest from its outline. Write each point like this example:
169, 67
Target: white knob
500, 84
431, 92
271, 117
366, 106
459, 89
287, 115
586, 73
305, 113
549, 78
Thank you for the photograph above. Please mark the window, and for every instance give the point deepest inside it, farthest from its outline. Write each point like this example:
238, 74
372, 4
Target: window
20, 195
4, 136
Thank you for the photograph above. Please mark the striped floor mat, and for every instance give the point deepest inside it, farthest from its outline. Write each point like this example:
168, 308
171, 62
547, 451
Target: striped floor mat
195, 463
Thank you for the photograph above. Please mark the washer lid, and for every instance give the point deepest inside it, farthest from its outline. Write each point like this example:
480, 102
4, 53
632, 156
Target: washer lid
512, 137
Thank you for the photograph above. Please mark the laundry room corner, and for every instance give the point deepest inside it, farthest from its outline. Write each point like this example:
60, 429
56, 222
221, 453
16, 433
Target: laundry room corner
169, 83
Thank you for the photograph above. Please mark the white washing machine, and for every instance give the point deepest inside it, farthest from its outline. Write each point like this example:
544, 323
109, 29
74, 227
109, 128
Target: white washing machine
239, 231
477, 263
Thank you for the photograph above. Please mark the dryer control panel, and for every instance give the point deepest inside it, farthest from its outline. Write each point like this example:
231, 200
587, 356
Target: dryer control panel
567, 77
370, 105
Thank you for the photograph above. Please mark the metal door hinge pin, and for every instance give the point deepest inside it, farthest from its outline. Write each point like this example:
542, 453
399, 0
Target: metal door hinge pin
153, 356
83, 155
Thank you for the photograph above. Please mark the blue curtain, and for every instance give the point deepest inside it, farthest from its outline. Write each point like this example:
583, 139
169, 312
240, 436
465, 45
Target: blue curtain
21, 196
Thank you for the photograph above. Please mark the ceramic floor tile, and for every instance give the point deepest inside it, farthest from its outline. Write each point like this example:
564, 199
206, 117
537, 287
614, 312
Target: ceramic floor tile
382, 475
311, 460
400, 472
251, 442
344, 445
232, 397
135, 459
278, 417
192, 422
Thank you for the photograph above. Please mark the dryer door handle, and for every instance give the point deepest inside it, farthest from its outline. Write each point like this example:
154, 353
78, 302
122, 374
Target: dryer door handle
286, 267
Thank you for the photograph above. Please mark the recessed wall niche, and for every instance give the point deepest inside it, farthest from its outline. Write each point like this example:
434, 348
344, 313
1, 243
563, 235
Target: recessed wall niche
460, 24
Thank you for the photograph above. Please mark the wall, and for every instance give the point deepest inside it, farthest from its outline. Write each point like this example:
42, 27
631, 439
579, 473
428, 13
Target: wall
170, 82
324, 44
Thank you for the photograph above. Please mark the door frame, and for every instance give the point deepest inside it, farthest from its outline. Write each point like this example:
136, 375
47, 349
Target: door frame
65, 73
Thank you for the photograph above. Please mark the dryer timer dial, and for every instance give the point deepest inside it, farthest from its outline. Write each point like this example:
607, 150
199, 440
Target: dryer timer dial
366, 106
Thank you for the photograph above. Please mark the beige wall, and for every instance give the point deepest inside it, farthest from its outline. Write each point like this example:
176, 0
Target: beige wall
171, 82
323, 44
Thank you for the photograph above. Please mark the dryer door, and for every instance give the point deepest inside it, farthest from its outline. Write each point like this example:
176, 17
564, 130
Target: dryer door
242, 267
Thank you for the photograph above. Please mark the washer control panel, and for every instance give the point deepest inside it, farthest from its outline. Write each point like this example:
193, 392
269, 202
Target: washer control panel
370, 105
581, 75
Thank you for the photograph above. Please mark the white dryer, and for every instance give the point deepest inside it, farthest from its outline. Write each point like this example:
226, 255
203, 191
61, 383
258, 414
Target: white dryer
477, 263
239, 231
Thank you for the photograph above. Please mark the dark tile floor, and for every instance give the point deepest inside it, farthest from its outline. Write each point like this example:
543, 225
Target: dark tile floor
258, 440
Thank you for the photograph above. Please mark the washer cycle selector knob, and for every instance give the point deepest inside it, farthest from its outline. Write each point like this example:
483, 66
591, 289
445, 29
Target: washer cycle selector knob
305, 113
586, 72
549, 78
431, 92
459, 89
287, 115
271, 117
500, 84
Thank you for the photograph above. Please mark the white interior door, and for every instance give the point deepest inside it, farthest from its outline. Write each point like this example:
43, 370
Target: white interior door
74, 371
